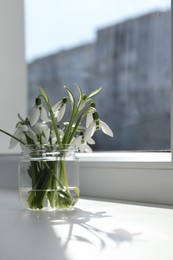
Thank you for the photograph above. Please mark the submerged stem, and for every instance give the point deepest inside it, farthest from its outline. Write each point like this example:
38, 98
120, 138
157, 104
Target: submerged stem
63, 169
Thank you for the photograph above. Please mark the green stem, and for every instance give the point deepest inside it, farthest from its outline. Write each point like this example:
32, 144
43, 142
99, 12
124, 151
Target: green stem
73, 116
63, 169
70, 125
54, 123
67, 139
76, 126
55, 126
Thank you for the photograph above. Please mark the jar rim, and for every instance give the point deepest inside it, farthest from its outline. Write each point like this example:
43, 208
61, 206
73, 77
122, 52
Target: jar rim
42, 146
47, 149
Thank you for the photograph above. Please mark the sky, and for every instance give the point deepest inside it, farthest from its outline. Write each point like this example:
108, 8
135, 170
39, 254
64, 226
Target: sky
53, 25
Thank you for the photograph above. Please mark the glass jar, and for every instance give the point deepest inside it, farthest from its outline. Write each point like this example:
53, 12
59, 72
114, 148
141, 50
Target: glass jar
48, 177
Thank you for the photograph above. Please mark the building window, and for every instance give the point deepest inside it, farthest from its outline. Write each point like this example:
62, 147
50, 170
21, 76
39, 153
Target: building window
123, 47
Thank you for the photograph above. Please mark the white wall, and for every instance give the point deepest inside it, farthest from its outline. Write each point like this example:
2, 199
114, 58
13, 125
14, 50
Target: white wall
13, 90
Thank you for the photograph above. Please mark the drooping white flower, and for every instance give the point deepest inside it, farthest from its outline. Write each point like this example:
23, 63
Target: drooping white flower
82, 144
97, 124
38, 111
30, 134
90, 140
89, 116
42, 130
59, 109
89, 119
85, 148
21, 133
14, 142
40, 127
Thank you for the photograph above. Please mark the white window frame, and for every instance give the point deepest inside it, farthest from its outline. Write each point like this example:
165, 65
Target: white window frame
140, 177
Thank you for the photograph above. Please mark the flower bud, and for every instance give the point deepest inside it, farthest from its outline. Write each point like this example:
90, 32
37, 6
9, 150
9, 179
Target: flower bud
93, 105
84, 97
38, 101
95, 116
64, 100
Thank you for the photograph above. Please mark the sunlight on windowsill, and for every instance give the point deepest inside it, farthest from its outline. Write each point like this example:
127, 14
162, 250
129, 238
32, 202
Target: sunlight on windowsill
126, 156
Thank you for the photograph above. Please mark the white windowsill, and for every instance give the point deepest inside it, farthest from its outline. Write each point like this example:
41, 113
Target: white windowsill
95, 230
125, 156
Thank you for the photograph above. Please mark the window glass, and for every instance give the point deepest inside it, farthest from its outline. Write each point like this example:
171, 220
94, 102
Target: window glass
122, 46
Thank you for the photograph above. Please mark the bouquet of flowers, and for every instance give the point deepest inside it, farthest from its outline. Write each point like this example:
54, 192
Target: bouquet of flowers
43, 130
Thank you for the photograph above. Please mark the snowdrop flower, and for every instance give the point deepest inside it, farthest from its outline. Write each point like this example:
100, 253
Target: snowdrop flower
89, 116
39, 128
37, 111
53, 138
97, 124
81, 143
42, 130
21, 133
59, 109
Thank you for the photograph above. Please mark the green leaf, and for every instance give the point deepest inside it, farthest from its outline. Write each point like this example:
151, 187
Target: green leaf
72, 99
21, 119
80, 91
95, 92
44, 94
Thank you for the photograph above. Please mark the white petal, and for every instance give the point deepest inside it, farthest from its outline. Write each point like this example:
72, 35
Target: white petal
23, 138
90, 131
53, 137
89, 119
77, 141
47, 134
61, 112
44, 140
85, 148
54, 140
88, 149
34, 115
24, 128
38, 128
90, 141
82, 148
61, 132
106, 129
56, 108
14, 142
32, 135
44, 116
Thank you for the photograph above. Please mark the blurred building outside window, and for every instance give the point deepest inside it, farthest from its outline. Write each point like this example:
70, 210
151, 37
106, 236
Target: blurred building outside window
123, 47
